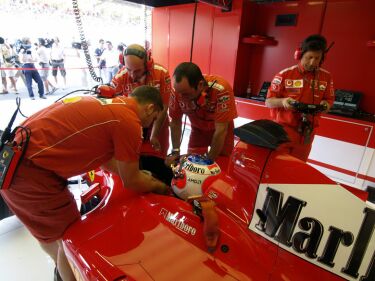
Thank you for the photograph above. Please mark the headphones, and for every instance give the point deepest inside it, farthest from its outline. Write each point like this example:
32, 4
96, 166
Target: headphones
145, 55
313, 43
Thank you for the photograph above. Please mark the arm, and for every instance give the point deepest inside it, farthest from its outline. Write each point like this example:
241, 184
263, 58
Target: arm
157, 126
176, 125
218, 139
135, 179
279, 102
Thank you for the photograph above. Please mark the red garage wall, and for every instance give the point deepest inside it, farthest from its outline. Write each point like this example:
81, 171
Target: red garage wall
219, 48
215, 41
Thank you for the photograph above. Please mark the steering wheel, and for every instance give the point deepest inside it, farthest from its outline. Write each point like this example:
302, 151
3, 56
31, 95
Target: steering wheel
307, 108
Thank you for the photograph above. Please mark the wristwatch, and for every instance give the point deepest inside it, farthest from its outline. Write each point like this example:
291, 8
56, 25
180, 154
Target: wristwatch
175, 151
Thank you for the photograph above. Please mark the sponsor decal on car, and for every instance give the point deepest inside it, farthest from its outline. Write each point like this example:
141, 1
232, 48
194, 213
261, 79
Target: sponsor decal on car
178, 223
323, 224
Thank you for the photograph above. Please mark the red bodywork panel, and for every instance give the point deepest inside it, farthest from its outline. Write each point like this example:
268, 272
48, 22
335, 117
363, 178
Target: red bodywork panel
131, 236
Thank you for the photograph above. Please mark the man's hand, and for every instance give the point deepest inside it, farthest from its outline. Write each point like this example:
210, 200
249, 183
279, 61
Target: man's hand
155, 143
287, 103
172, 159
326, 104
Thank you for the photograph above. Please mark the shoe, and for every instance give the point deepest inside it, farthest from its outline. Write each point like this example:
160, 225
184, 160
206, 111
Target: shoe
53, 90
32, 98
43, 97
4, 92
56, 276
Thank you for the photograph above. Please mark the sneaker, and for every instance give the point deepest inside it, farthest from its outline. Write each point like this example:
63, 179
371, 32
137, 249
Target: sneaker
32, 98
43, 97
4, 92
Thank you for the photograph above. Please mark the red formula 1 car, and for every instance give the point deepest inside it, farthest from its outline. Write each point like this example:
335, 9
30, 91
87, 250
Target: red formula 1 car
278, 219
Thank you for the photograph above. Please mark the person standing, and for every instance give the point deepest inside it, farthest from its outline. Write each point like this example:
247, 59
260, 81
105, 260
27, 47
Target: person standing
71, 137
111, 58
8, 56
31, 74
304, 82
43, 58
57, 60
209, 103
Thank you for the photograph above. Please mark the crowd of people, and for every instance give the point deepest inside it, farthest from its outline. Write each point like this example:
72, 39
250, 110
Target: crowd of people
42, 58
141, 95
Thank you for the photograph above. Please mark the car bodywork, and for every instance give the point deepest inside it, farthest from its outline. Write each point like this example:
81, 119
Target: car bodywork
279, 219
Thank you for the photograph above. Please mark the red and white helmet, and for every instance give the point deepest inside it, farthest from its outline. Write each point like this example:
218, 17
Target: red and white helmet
192, 177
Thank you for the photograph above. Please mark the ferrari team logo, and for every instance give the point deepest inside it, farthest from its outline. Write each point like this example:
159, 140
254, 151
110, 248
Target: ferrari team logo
91, 175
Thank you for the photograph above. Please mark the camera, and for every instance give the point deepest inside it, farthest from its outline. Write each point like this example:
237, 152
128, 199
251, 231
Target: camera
21, 45
46, 42
77, 45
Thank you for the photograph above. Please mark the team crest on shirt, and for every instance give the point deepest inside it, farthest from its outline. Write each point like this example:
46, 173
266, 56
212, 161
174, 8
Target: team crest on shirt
289, 83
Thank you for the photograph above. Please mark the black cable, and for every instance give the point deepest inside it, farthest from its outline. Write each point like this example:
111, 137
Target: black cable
81, 90
84, 45
191, 59
193, 31
8, 135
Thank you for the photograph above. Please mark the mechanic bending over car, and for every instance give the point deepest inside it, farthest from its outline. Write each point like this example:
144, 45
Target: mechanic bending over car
71, 137
209, 103
140, 69
307, 83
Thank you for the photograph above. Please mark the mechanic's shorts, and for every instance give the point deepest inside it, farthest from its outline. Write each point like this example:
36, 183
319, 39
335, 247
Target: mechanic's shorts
42, 201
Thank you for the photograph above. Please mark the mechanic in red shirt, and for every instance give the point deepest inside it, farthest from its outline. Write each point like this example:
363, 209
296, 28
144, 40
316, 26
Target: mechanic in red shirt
71, 137
305, 82
140, 70
209, 103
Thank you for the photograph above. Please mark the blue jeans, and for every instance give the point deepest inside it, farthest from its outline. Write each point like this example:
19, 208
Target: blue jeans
32, 74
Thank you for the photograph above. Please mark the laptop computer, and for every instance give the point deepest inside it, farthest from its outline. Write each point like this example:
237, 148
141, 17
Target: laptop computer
262, 95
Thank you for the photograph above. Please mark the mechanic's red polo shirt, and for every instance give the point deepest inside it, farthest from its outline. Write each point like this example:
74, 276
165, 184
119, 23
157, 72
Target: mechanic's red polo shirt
79, 134
303, 86
218, 107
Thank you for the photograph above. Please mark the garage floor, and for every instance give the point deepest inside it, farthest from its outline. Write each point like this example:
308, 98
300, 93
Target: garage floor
21, 258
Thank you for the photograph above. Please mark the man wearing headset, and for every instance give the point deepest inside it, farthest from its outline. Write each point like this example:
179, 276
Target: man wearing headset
305, 82
140, 70
209, 103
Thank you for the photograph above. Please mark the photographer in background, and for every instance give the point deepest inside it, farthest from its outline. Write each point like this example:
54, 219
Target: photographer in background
8, 58
43, 58
31, 73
